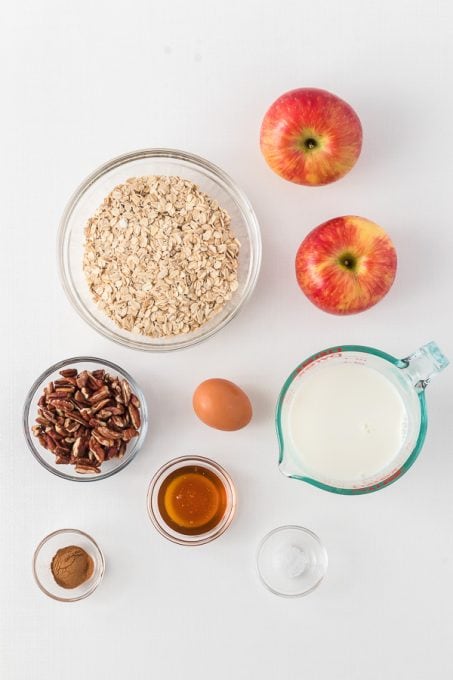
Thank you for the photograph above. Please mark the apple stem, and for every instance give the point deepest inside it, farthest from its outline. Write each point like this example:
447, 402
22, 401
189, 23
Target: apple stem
348, 261
310, 143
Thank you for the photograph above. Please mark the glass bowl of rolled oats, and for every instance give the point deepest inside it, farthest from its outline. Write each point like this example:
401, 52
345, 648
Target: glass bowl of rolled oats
159, 249
85, 419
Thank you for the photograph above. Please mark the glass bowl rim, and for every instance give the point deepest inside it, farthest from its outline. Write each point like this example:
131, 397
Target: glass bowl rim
97, 549
204, 165
57, 366
309, 532
202, 539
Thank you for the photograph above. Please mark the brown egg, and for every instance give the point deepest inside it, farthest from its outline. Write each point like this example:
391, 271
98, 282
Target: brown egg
222, 404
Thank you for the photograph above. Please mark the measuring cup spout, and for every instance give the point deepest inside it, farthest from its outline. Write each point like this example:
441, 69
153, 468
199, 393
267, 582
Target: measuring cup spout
424, 364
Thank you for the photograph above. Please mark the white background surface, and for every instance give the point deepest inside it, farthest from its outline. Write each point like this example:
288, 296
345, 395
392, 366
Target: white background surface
84, 81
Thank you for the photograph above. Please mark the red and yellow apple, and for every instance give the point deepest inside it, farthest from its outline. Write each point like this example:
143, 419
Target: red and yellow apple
310, 136
346, 265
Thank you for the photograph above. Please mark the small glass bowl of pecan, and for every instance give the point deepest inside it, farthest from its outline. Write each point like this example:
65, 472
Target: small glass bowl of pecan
85, 419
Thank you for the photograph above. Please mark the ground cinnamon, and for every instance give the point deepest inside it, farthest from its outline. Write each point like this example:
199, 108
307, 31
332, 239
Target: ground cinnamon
71, 566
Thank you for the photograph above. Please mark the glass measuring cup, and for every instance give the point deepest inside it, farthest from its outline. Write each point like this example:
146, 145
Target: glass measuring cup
408, 376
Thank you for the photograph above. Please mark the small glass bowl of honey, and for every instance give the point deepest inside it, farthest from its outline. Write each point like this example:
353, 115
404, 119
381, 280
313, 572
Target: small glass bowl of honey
191, 500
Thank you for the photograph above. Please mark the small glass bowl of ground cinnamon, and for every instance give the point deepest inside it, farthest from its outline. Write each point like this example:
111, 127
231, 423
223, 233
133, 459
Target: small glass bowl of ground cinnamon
68, 565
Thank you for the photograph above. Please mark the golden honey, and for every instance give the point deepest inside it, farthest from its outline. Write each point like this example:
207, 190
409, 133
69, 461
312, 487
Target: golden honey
192, 500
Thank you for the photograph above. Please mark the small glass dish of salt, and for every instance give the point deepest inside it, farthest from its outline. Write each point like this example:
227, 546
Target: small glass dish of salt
291, 561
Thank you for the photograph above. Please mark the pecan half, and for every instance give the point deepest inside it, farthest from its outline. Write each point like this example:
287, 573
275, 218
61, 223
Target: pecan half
99, 395
79, 447
134, 416
61, 382
62, 404
71, 425
104, 414
117, 410
99, 454
93, 383
126, 391
63, 391
135, 401
49, 388
129, 434
62, 450
79, 398
95, 447
48, 415
100, 405
104, 441
68, 372
75, 417
113, 451
109, 434
82, 379
118, 421
50, 444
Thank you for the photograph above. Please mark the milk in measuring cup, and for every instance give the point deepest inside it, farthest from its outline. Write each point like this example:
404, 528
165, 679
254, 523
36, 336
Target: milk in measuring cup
347, 422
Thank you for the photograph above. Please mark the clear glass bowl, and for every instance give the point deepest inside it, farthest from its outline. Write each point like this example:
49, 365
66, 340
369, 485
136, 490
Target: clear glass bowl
90, 195
44, 554
153, 506
47, 458
291, 561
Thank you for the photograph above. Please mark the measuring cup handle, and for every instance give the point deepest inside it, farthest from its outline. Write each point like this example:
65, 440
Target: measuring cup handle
424, 364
